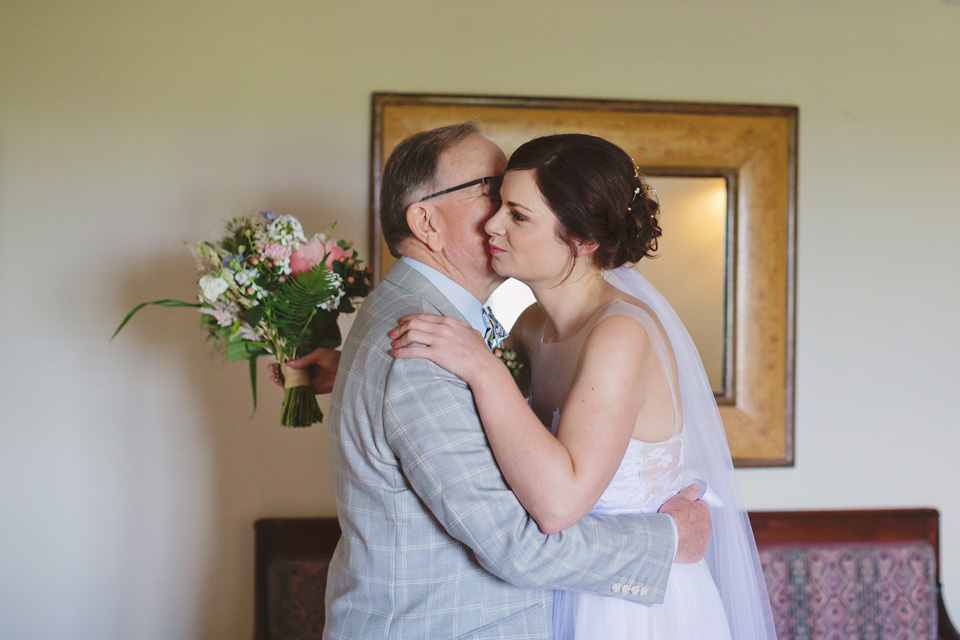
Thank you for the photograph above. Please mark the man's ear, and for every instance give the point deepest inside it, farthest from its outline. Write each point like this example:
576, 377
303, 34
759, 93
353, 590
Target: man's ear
426, 224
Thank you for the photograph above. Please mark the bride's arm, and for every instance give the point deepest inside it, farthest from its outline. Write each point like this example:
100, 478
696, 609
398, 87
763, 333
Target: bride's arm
525, 331
558, 480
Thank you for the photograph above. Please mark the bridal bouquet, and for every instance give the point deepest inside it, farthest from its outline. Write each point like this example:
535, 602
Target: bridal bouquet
266, 289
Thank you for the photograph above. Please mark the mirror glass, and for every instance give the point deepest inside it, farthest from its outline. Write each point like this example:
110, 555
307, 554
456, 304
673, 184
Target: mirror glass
691, 269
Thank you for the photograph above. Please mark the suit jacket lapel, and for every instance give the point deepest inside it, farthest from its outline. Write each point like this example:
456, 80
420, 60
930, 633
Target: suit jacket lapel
409, 279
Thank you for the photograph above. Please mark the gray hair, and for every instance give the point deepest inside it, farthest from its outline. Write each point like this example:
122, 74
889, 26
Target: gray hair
410, 170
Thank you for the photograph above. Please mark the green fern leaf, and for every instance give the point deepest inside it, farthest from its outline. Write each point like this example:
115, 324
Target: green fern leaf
295, 306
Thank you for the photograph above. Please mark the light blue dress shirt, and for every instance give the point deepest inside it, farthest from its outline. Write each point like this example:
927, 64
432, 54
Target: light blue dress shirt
463, 300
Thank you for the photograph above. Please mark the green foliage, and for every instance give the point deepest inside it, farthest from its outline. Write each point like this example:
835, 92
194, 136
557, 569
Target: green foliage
240, 349
160, 303
253, 315
253, 380
295, 311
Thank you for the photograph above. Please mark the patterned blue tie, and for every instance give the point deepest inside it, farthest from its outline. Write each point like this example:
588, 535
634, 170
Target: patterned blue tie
493, 334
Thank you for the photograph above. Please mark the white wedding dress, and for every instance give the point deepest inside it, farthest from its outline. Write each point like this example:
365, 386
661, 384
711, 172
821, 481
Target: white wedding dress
649, 474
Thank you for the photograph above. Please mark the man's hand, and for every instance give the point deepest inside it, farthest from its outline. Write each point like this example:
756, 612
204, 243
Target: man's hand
693, 524
320, 364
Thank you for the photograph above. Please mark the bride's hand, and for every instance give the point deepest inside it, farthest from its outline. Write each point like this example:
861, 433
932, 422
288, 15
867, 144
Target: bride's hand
446, 341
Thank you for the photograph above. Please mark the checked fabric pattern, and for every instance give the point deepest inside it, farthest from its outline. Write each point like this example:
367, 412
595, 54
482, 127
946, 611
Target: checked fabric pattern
435, 545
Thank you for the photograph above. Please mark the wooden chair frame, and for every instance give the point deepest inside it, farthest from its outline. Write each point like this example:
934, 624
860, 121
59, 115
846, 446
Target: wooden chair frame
316, 538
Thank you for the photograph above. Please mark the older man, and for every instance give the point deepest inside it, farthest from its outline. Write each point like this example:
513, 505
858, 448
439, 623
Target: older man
435, 545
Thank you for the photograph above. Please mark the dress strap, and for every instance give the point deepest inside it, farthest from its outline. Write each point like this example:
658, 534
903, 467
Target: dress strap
644, 315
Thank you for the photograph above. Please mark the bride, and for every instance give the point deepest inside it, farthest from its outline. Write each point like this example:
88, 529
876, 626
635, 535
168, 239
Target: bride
613, 375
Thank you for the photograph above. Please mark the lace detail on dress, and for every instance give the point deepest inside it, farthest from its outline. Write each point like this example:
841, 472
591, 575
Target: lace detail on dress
649, 474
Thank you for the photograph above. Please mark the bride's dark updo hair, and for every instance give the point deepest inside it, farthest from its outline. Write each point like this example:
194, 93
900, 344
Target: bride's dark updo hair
593, 187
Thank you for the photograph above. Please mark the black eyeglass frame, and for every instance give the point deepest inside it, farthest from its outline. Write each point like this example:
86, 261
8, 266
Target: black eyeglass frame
486, 180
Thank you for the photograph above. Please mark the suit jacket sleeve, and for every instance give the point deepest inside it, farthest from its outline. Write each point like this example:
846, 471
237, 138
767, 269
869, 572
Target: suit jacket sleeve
432, 425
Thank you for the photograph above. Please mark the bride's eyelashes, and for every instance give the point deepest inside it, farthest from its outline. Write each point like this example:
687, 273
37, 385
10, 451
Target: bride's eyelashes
517, 216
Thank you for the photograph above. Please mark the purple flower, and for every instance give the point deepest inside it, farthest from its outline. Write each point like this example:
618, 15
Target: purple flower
269, 215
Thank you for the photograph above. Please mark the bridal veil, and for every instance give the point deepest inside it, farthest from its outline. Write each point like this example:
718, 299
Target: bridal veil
731, 553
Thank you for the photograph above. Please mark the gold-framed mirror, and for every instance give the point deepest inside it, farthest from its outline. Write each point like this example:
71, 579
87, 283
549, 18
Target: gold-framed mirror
744, 155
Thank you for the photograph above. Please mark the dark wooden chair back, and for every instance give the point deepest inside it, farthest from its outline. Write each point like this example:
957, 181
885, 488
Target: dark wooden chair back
870, 526
292, 556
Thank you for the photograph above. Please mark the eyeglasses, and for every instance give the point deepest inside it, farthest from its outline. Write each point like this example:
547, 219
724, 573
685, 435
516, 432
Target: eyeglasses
494, 181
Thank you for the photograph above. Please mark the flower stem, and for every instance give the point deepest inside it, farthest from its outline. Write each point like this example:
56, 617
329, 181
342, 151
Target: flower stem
300, 408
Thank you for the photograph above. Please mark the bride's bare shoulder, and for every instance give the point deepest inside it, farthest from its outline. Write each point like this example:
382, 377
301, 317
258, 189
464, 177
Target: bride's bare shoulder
529, 324
622, 335
640, 311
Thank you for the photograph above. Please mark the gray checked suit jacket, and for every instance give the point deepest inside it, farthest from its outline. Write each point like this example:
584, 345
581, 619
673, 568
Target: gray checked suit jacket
435, 545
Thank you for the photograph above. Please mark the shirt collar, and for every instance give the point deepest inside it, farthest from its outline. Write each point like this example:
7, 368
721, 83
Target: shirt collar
463, 300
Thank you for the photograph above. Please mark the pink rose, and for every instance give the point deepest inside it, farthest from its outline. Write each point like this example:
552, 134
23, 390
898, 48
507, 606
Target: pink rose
334, 252
311, 253
307, 256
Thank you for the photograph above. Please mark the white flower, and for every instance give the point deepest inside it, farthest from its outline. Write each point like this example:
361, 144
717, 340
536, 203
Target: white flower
334, 302
245, 277
287, 230
213, 286
261, 238
225, 312
249, 333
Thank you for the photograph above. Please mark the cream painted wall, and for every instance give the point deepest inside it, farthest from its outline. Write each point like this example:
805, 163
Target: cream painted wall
132, 470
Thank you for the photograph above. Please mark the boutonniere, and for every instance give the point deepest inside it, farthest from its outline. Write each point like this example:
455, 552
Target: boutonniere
509, 358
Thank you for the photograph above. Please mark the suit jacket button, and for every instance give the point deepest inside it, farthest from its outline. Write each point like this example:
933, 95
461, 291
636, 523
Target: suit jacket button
634, 589
643, 591
625, 589
616, 587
